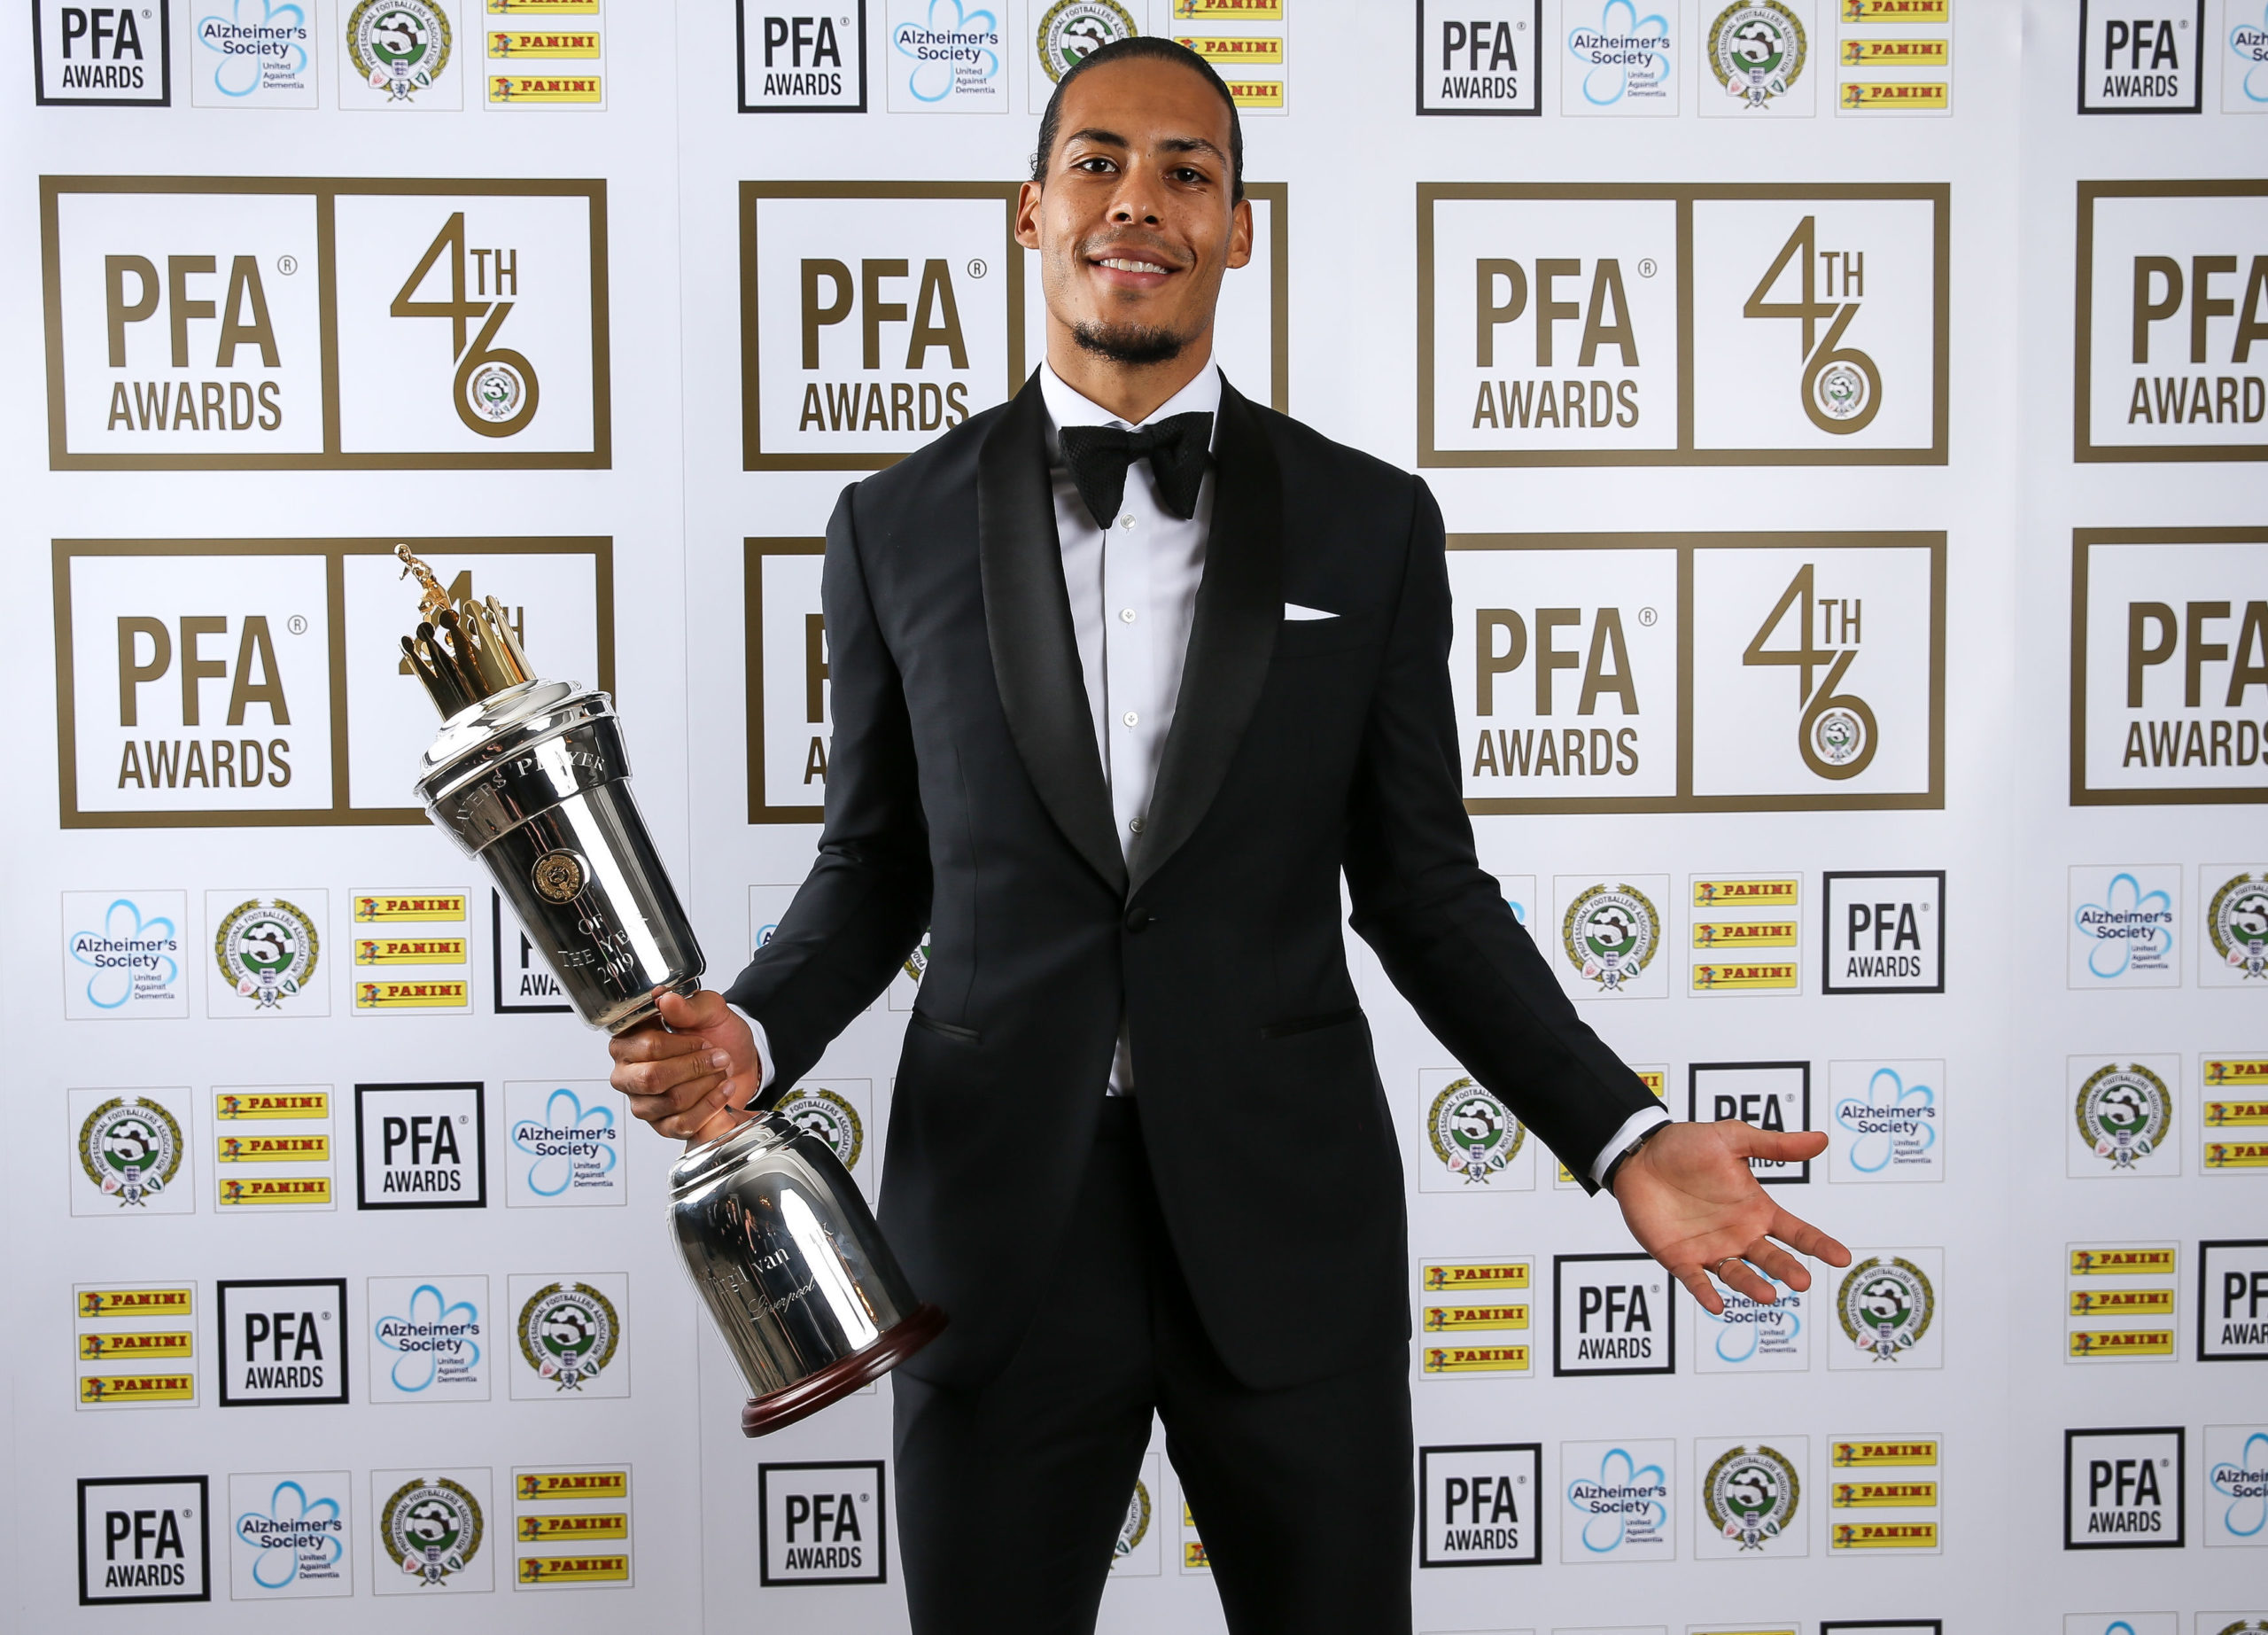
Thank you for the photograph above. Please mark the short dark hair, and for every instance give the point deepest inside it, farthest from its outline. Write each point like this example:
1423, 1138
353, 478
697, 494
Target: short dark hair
1141, 47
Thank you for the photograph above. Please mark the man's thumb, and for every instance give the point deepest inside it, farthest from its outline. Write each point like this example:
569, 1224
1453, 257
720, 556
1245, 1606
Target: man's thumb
684, 1014
1787, 1144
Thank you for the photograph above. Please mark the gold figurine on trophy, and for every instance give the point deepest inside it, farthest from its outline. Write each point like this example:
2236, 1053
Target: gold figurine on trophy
465, 654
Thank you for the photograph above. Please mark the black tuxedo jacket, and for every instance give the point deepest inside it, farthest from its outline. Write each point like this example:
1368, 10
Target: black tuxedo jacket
966, 795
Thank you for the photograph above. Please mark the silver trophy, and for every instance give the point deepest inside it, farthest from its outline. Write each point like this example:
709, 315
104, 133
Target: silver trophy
529, 777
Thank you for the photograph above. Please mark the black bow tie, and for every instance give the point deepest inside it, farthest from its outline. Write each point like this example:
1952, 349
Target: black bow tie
1097, 457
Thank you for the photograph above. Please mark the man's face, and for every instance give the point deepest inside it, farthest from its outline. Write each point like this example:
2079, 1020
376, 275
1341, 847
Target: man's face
1134, 225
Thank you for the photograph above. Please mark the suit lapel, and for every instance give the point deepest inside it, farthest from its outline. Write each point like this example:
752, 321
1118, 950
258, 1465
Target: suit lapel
1240, 608
1028, 622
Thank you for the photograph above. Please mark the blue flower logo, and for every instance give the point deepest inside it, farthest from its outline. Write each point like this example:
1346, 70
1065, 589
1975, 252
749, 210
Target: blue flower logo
934, 46
296, 1529
1736, 1343
1641, 38
2250, 42
1887, 1095
237, 74
1618, 1473
2112, 956
419, 1364
112, 986
2242, 1485
563, 1114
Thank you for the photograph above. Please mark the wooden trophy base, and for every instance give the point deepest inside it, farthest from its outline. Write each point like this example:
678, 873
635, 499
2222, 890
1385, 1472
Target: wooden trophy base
765, 1414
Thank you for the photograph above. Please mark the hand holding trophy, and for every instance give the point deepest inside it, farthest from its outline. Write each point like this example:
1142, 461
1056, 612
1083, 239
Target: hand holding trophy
530, 776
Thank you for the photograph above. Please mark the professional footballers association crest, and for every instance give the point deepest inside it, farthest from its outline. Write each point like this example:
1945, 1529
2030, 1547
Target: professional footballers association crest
2237, 921
569, 1333
267, 950
1757, 48
1886, 1303
828, 1117
398, 46
2124, 1112
1135, 1527
1611, 934
1475, 1134
1750, 1495
431, 1527
131, 1148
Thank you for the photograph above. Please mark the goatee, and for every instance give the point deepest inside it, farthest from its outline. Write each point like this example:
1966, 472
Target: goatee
1132, 344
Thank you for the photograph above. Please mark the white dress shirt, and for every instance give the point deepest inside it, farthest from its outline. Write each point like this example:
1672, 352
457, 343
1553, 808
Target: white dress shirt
1133, 590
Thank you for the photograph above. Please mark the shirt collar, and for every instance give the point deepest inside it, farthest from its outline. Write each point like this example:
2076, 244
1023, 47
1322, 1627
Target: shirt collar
1067, 407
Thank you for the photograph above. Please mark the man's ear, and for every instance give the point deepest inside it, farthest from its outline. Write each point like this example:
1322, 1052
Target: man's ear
1027, 200
1240, 233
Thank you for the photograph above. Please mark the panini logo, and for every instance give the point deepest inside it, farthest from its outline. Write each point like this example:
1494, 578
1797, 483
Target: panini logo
1896, 10
1872, 95
410, 995
2225, 1115
2236, 1155
1256, 93
543, 8
534, 1484
297, 1104
1744, 893
137, 1388
1884, 1536
1228, 11
2122, 1301
1851, 1455
1477, 1360
1897, 53
274, 1149
1886, 1495
1441, 1319
2122, 1262
521, 42
549, 1529
2123, 1343
1744, 933
574, 1568
438, 906
410, 951
1772, 976
1235, 47
1512, 1275
128, 1347
280, 1190
1193, 1559
547, 88
2222, 1071
134, 1302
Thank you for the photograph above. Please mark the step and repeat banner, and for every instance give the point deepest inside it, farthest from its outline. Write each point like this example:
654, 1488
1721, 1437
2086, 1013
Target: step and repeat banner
1848, 415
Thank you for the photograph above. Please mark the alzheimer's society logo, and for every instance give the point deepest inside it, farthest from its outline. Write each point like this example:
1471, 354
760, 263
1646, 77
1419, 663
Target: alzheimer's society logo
1751, 1337
2123, 931
2236, 1487
122, 954
426, 1339
1622, 63
291, 1538
1887, 1121
566, 1143
2245, 80
1619, 1500
252, 54
946, 59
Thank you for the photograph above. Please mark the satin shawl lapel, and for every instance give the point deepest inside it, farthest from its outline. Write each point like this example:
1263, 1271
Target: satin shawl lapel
1240, 608
1028, 622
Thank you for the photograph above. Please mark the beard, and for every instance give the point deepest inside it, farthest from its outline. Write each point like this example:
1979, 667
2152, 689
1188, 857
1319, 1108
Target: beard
1134, 345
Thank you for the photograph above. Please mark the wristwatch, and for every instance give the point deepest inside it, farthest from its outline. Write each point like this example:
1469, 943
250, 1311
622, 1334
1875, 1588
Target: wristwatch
1606, 1181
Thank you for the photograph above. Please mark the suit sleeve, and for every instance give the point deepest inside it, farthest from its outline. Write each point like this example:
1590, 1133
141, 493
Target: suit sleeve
863, 907
1439, 925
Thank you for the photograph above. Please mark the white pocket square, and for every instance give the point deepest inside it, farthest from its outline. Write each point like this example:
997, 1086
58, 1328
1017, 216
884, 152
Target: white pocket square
1293, 609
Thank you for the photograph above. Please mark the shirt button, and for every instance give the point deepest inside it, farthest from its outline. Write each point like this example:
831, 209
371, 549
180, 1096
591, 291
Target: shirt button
1129, 718
1126, 615
1135, 824
1127, 521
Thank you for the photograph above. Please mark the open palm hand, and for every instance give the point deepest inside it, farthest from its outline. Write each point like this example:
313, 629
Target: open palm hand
1689, 1198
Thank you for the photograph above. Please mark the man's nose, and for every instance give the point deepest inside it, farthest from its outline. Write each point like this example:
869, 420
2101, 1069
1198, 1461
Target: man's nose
1136, 199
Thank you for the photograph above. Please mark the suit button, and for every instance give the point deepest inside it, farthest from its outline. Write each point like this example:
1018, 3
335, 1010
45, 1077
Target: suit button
1137, 918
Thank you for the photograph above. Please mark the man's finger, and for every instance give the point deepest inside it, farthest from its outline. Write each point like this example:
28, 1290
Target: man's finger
703, 1009
1742, 1278
1787, 1146
654, 1044
671, 1097
655, 1078
684, 1125
1806, 1239
1703, 1292
1775, 1261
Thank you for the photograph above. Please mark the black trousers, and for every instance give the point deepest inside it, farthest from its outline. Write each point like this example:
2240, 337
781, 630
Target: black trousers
1009, 1497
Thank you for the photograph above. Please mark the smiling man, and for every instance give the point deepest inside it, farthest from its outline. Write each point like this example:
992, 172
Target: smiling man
1126, 675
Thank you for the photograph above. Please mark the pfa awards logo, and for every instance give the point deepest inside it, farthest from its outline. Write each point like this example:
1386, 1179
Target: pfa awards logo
2122, 1119
1478, 1505
267, 949
144, 1538
431, 1527
569, 1335
1886, 1303
131, 1150
1610, 935
1473, 1136
1750, 1495
2236, 929
1757, 48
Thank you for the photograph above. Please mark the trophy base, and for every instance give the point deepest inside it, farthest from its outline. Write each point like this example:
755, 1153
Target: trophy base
765, 1414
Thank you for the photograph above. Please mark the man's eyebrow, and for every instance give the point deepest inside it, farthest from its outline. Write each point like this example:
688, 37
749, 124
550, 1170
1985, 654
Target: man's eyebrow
1107, 138
1171, 144
1192, 144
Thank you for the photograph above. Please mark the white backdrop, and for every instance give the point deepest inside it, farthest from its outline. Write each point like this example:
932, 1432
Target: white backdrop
1862, 586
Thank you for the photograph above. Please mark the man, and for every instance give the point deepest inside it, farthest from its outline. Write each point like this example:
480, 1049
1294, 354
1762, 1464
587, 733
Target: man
1125, 674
